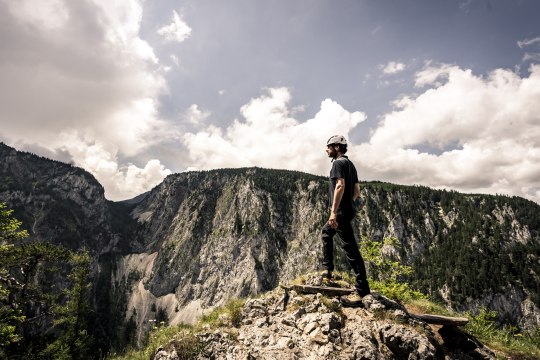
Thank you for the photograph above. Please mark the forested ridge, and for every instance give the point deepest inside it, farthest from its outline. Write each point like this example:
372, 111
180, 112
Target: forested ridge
481, 252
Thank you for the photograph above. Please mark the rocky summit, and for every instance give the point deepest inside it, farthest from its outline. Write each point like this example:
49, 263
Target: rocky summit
313, 326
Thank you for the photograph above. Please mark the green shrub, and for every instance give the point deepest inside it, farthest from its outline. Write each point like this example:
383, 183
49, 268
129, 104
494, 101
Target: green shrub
399, 291
387, 276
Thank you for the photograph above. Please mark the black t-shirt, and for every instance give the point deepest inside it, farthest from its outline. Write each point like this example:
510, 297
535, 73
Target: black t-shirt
343, 168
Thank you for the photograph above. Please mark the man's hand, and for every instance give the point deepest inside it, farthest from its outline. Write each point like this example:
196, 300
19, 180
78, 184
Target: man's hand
332, 221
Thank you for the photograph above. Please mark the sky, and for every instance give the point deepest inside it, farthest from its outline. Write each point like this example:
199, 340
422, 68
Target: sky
439, 93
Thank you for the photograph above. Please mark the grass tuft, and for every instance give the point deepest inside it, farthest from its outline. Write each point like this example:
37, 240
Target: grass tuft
229, 314
507, 339
183, 336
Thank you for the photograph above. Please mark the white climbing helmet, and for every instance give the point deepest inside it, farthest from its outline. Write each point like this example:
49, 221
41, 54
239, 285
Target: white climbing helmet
336, 139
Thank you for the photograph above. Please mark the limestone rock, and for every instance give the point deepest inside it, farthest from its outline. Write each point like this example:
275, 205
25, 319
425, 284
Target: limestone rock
315, 331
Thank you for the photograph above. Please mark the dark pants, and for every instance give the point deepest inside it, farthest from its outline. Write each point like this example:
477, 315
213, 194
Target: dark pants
349, 244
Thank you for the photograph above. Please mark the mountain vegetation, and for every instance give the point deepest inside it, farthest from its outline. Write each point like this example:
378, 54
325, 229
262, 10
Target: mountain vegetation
482, 234
39, 319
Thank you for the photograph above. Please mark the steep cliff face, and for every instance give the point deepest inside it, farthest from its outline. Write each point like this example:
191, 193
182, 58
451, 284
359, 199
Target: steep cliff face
230, 231
59, 203
224, 234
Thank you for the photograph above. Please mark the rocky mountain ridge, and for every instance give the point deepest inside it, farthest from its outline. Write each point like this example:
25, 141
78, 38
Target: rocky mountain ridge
303, 326
201, 238
60, 203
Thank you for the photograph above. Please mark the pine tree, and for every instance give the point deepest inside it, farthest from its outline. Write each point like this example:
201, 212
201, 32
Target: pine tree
30, 277
9, 226
10, 314
74, 341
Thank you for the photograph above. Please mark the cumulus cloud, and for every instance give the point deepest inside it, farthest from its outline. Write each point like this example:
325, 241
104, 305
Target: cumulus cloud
392, 67
78, 81
466, 132
433, 74
178, 30
472, 133
268, 136
49, 14
120, 181
195, 116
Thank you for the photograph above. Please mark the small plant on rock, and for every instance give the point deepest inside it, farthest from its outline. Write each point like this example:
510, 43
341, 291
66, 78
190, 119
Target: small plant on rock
231, 312
387, 276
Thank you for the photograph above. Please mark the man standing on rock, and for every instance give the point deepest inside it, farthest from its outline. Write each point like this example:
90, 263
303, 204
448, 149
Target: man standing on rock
344, 191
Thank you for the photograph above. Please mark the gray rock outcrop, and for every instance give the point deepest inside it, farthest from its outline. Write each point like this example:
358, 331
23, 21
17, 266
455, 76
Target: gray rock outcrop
316, 327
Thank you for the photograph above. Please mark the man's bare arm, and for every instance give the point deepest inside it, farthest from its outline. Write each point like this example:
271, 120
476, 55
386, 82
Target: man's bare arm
356, 192
338, 195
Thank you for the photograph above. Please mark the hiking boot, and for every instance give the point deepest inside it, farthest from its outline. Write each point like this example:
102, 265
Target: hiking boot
326, 274
352, 300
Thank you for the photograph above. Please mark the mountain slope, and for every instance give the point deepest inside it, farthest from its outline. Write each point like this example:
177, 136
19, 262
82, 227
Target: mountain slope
230, 233
201, 238
65, 205
60, 203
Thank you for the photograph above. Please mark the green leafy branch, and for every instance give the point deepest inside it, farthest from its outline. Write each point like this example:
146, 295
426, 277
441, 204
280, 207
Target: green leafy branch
387, 275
